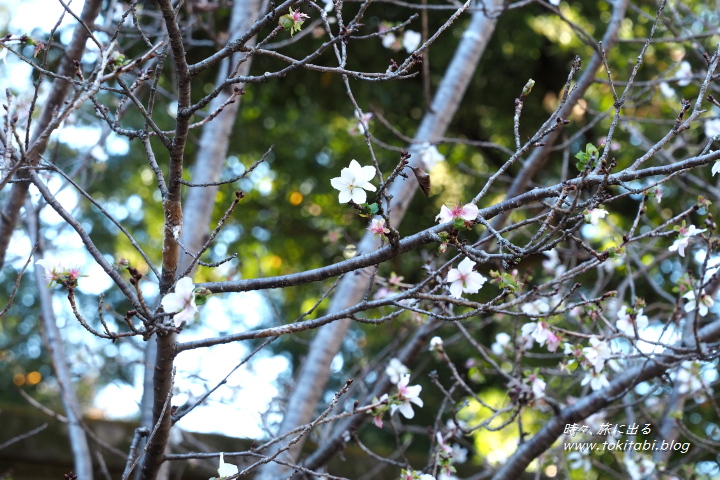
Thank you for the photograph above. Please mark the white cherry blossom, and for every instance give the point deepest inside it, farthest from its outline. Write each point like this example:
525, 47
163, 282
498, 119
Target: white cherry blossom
684, 238
712, 128
225, 469
353, 181
464, 280
706, 301
407, 395
430, 156
396, 370
666, 90
502, 340
595, 379
182, 301
411, 40
684, 74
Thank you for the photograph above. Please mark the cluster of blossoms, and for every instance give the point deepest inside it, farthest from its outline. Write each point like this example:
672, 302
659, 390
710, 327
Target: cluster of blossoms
57, 274
541, 333
410, 40
593, 359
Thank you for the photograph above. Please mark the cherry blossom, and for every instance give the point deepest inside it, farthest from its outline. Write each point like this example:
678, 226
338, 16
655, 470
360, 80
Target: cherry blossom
502, 340
684, 238
712, 128
553, 265
596, 380
684, 74
706, 301
353, 181
639, 470
715, 168
363, 121
411, 40
579, 460
541, 333
666, 90
538, 385
626, 324
378, 417
536, 307
182, 301
430, 156
688, 377
52, 269
377, 227
414, 475
597, 353
329, 5
436, 343
407, 395
467, 212
464, 280
554, 2
396, 370
593, 216
225, 469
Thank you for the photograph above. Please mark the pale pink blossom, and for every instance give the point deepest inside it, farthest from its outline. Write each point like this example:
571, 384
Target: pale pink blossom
407, 395
377, 227
52, 269
464, 280
626, 324
684, 238
353, 181
468, 212
593, 216
541, 333
182, 301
